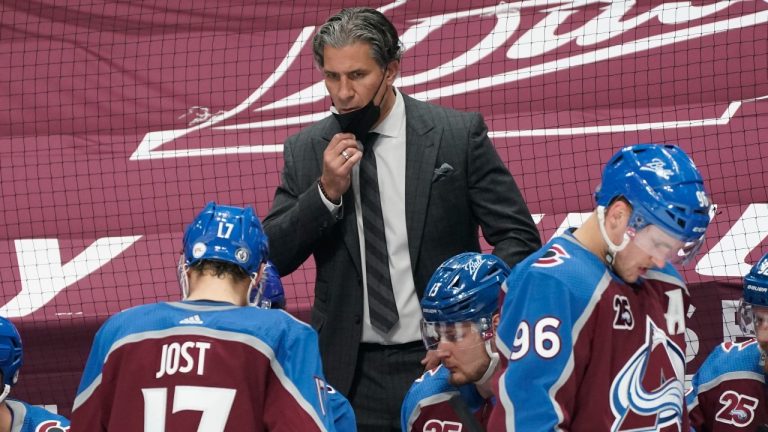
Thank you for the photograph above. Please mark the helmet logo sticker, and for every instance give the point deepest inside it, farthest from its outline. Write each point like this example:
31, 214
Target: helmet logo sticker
242, 255
763, 270
657, 166
198, 250
474, 265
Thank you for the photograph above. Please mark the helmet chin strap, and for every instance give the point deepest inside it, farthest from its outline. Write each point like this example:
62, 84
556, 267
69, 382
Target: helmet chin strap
612, 248
250, 287
491, 366
5, 393
183, 279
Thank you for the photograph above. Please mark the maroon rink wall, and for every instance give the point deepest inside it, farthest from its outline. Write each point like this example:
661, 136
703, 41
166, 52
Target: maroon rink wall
118, 121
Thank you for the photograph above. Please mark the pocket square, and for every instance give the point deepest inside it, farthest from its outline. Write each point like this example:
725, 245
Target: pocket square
441, 172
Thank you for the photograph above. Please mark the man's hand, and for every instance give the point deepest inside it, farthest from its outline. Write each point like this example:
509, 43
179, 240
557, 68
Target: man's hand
339, 158
431, 360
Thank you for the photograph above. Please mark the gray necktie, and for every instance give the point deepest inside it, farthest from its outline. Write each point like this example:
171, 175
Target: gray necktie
381, 299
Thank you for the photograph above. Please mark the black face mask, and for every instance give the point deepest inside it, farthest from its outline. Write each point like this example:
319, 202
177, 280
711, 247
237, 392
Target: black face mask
360, 121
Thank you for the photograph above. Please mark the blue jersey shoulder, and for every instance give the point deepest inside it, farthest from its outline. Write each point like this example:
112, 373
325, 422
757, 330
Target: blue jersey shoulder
31, 418
276, 330
434, 387
560, 280
562, 264
729, 358
431, 383
269, 325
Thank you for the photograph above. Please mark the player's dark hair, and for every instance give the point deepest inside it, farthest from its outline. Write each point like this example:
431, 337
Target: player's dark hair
220, 269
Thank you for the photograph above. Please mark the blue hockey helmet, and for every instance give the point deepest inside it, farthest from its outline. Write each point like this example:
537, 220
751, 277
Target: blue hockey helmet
464, 288
229, 234
756, 283
664, 188
11, 354
462, 296
270, 293
755, 294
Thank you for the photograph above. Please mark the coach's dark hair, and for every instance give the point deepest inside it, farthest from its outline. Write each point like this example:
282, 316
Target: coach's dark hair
359, 25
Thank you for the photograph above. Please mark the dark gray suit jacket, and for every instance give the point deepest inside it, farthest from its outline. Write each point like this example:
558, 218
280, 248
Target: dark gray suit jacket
444, 208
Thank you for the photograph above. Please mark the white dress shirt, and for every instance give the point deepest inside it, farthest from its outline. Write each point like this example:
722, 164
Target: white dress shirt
389, 149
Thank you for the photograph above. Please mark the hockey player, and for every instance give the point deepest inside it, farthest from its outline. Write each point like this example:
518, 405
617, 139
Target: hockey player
593, 324
461, 312
728, 392
209, 362
15, 415
271, 295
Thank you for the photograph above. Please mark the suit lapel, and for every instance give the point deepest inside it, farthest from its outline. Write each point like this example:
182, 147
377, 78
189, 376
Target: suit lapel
422, 145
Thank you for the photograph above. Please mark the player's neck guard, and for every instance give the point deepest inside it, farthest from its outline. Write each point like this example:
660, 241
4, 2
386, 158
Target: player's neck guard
254, 276
612, 248
6, 391
182, 271
491, 366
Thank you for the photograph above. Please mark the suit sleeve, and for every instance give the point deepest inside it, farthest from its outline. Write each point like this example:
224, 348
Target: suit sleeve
496, 200
298, 218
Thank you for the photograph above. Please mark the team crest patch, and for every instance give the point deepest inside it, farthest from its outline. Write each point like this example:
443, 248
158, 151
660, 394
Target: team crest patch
242, 255
198, 250
648, 393
51, 426
556, 255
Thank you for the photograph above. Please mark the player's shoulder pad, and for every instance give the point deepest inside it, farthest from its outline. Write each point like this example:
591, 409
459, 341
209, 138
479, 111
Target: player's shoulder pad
430, 383
563, 265
731, 358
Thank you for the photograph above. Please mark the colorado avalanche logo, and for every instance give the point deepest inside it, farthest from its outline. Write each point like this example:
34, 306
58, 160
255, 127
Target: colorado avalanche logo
648, 394
51, 426
554, 256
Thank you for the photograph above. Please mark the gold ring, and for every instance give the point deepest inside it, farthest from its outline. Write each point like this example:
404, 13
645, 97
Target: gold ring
345, 155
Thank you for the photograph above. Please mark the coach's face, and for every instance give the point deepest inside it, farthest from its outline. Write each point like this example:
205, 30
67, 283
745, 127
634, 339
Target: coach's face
353, 78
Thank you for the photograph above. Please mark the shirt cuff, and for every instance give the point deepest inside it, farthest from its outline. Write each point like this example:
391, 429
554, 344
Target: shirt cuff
333, 208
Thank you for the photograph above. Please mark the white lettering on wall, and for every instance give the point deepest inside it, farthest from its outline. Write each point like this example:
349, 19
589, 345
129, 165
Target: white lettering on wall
43, 275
